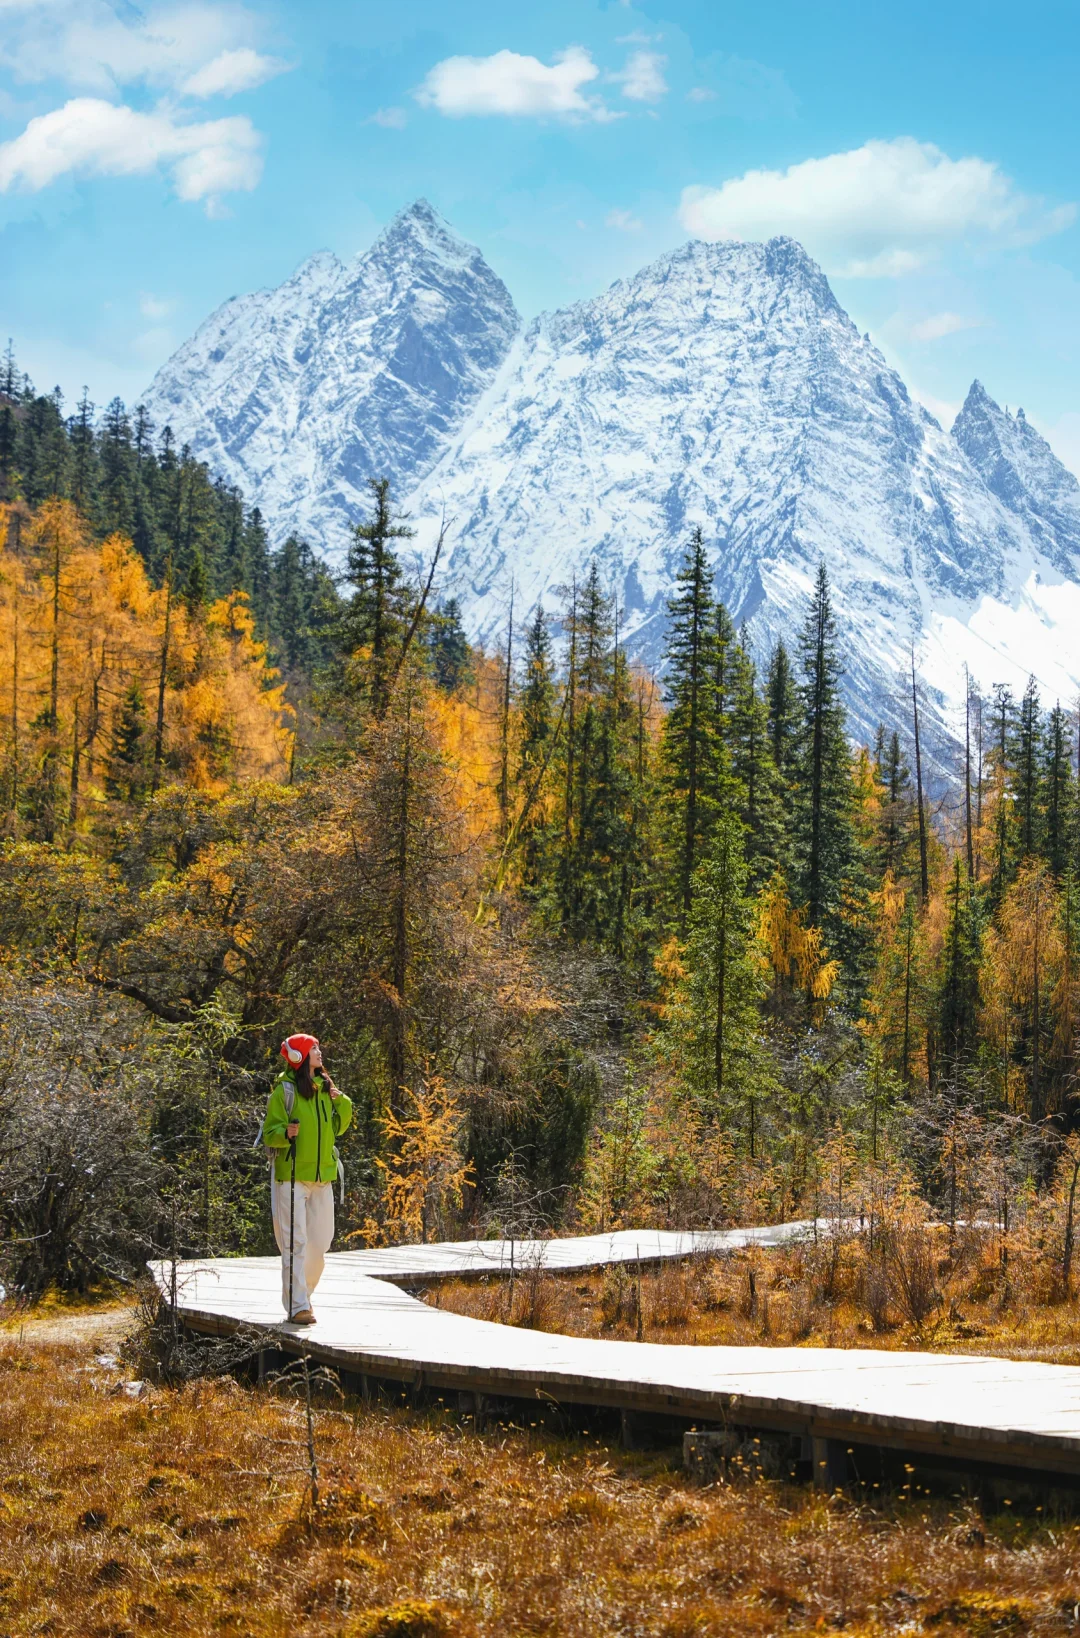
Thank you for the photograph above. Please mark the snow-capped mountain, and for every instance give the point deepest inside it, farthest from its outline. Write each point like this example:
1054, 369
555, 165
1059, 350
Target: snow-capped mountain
1021, 469
722, 385
300, 394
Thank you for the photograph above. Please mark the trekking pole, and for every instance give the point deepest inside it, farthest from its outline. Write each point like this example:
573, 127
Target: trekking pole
292, 1219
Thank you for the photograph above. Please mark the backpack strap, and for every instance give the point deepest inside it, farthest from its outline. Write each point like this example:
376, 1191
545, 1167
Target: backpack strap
288, 1093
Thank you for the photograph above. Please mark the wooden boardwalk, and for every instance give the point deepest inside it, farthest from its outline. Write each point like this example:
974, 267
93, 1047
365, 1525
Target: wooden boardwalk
480, 1259
958, 1408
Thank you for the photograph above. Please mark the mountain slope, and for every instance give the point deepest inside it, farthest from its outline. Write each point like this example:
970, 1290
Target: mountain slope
724, 385
300, 394
1019, 467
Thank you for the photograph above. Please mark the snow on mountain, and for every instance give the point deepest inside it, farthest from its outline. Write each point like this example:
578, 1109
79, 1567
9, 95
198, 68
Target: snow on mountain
722, 385
300, 394
1021, 469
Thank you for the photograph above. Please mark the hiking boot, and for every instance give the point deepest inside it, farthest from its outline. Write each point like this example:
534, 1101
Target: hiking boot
304, 1317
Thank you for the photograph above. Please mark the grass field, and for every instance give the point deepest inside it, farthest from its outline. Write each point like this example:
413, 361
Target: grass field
805, 1295
131, 1510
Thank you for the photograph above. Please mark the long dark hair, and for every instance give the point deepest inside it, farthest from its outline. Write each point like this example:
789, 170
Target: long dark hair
305, 1083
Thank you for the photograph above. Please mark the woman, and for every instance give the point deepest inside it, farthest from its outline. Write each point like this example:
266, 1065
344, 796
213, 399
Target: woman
305, 1116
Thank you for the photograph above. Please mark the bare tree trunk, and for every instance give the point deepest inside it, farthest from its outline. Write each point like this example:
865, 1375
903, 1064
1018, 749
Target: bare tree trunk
1070, 1221
905, 1067
15, 707
721, 997
163, 672
51, 757
504, 728
1036, 1020
924, 873
95, 712
967, 776
76, 750
571, 743
401, 920
979, 791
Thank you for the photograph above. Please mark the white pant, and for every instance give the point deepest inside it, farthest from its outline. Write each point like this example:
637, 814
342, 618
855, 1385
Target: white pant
312, 1237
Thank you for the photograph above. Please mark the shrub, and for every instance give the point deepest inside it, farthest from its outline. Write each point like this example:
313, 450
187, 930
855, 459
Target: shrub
416, 1618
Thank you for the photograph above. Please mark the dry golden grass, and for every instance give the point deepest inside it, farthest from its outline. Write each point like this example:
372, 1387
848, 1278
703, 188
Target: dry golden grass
815, 1296
160, 1514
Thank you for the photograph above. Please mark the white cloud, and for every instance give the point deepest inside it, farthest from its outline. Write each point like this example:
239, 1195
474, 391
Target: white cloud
624, 221
884, 209
642, 79
938, 325
152, 307
700, 93
96, 46
230, 72
508, 83
391, 119
88, 137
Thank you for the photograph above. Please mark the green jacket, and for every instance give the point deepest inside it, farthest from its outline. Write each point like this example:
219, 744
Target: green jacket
322, 1121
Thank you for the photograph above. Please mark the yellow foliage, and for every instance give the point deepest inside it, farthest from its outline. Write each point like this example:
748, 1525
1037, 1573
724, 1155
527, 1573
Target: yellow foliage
424, 1177
467, 734
796, 953
94, 609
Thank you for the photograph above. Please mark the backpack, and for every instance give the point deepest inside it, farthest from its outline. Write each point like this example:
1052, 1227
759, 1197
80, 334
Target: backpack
288, 1092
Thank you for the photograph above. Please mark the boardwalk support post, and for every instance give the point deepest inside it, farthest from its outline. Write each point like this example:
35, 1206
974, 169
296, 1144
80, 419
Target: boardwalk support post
829, 1458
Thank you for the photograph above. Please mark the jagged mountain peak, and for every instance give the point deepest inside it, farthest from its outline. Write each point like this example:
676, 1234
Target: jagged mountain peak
722, 385
1019, 467
420, 227
300, 394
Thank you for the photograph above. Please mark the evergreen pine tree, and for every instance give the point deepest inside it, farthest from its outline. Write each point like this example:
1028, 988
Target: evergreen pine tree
688, 753
537, 728
235, 567
145, 482
9, 373
81, 439
127, 768
1057, 782
290, 614
9, 444
1028, 765
895, 825
782, 698
195, 584
256, 551
374, 620
1004, 818
756, 781
451, 656
588, 878
958, 1033
824, 840
715, 1027
44, 449
117, 506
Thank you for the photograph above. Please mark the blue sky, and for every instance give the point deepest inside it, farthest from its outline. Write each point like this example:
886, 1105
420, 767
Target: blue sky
158, 158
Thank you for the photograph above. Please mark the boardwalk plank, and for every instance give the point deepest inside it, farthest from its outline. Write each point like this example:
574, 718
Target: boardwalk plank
1019, 1413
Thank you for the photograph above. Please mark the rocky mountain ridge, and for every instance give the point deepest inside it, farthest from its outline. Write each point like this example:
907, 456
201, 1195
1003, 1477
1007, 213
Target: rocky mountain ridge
721, 385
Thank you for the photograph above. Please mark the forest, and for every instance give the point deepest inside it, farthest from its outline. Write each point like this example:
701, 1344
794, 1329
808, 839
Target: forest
589, 947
